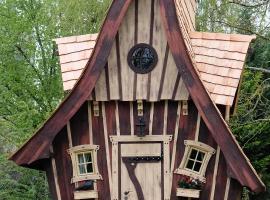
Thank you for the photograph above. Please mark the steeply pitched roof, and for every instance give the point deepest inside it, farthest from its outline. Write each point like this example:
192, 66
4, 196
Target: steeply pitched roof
219, 59
238, 164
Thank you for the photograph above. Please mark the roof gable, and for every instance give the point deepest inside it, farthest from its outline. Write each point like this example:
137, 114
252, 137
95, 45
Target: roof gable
239, 165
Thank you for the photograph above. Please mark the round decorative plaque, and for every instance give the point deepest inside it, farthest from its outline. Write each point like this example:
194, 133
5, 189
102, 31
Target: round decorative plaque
142, 58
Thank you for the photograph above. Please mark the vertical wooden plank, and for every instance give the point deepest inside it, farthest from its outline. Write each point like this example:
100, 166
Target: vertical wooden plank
52, 177
79, 126
117, 118
172, 117
235, 191
107, 146
113, 74
165, 117
167, 172
124, 117
176, 132
131, 118
169, 78
158, 118
175, 138
159, 43
70, 143
110, 108
146, 115
187, 128
151, 118
144, 20
90, 130
228, 183
221, 178
126, 42
212, 194
181, 92
63, 164
198, 125
51, 181
115, 175
98, 139
100, 87
206, 138
90, 123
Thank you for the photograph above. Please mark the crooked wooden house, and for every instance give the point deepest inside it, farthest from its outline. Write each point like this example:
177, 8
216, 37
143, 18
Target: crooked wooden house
146, 113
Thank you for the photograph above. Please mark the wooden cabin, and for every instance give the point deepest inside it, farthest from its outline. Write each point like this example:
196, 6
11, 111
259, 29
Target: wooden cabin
146, 113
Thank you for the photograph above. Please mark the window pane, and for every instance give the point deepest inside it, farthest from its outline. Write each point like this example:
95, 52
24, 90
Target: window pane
80, 158
190, 164
197, 166
88, 157
200, 156
193, 154
89, 168
82, 169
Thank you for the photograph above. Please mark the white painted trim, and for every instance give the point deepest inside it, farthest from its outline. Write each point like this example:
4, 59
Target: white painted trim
167, 172
117, 118
212, 195
198, 127
89, 109
151, 119
191, 144
55, 176
115, 177
165, 117
227, 113
147, 138
73, 151
131, 118
107, 146
227, 189
90, 123
90, 194
69, 134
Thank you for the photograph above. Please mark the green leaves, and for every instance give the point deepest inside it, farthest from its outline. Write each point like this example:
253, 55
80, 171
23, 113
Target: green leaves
30, 78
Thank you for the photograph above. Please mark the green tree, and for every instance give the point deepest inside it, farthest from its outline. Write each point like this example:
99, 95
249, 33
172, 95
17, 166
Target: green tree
30, 81
251, 124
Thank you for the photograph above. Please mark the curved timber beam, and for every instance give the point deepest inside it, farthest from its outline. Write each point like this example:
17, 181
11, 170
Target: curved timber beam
38, 146
236, 159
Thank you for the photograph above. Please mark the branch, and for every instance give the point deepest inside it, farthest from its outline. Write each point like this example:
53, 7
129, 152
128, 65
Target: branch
29, 62
248, 6
259, 69
243, 29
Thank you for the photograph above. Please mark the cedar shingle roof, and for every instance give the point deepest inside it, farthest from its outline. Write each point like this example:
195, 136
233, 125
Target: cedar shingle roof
219, 59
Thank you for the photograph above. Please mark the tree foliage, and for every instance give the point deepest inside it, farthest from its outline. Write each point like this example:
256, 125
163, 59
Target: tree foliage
30, 82
251, 123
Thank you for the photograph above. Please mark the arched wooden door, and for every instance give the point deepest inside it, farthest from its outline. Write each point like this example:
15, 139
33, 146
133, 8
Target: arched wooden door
139, 166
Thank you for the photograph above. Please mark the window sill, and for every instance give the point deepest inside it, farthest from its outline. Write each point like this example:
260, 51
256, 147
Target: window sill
190, 173
191, 193
86, 177
90, 194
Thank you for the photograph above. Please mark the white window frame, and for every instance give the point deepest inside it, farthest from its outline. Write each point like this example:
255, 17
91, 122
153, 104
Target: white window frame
74, 152
198, 146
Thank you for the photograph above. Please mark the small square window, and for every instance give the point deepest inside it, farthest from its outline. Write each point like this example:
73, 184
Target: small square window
84, 163
195, 159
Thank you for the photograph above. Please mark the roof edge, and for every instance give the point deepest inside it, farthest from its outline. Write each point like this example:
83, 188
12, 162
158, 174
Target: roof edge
41, 141
236, 159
